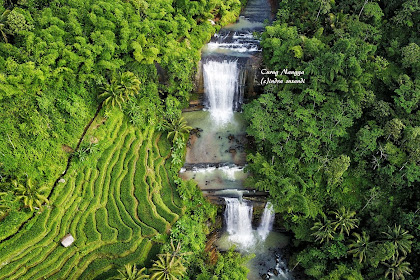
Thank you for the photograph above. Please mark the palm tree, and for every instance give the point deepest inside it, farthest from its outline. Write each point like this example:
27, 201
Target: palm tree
400, 238
323, 230
345, 221
167, 267
177, 129
112, 95
176, 250
361, 247
119, 91
130, 272
30, 194
129, 83
3, 19
397, 268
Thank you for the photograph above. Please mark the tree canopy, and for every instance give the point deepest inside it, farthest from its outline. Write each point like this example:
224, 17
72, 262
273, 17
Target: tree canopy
339, 153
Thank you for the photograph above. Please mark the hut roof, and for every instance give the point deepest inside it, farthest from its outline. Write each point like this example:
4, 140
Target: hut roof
67, 240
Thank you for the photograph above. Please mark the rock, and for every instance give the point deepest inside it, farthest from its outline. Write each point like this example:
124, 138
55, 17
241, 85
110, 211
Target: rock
232, 151
62, 181
272, 270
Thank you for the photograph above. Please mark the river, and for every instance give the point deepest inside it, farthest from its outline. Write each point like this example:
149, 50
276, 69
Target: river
216, 152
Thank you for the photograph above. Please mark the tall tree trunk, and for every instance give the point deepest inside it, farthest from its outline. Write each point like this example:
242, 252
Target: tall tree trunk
361, 10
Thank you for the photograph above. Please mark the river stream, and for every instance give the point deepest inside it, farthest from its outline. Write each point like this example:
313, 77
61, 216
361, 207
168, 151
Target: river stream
216, 151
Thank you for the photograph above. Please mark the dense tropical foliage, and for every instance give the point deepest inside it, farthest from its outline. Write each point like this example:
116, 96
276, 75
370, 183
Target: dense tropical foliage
340, 153
66, 68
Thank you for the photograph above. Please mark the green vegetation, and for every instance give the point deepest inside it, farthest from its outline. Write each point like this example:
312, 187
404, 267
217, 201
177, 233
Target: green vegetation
177, 129
90, 205
130, 272
340, 154
72, 163
167, 267
63, 59
92, 138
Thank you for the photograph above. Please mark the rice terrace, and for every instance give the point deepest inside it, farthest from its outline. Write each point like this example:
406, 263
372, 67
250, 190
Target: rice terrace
209, 139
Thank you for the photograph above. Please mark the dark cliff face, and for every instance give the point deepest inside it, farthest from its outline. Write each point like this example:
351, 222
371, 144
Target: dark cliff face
162, 74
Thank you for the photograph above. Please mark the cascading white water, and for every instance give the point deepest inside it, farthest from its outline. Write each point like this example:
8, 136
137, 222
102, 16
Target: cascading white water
238, 217
231, 171
220, 84
267, 220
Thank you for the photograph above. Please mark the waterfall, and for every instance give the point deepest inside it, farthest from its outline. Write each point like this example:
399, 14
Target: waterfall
238, 217
220, 85
266, 221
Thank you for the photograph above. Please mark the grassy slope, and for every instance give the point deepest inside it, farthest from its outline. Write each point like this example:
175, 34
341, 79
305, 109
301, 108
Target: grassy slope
113, 205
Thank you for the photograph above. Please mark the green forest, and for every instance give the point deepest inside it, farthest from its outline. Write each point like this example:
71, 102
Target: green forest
340, 154
91, 94
92, 138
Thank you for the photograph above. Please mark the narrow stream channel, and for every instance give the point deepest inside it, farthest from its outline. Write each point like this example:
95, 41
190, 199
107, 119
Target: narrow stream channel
216, 153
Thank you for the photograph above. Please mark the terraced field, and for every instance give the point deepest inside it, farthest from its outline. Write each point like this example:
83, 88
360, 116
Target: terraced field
116, 206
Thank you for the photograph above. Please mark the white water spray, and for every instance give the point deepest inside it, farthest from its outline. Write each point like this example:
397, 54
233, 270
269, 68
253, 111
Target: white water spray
238, 217
220, 83
267, 220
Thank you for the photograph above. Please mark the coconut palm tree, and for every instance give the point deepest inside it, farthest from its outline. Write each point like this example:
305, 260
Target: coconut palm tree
119, 91
130, 272
111, 95
3, 19
400, 238
177, 129
361, 246
167, 267
30, 194
345, 220
129, 83
323, 230
397, 268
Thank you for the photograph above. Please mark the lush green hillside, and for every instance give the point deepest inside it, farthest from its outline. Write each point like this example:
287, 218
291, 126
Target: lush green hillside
128, 66
116, 204
56, 58
340, 153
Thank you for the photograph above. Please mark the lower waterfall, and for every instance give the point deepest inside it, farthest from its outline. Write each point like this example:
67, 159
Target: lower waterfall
266, 221
238, 217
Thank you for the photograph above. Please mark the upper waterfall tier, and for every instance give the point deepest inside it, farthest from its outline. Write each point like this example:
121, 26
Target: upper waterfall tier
258, 11
232, 43
221, 86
